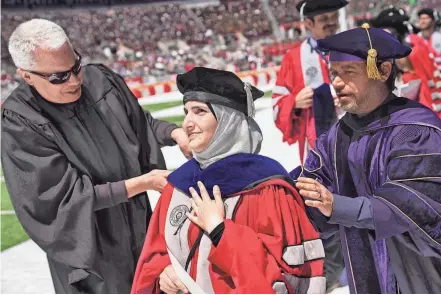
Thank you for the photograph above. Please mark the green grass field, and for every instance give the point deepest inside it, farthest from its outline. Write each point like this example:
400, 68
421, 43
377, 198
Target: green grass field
12, 232
176, 119
161, 106
6, 201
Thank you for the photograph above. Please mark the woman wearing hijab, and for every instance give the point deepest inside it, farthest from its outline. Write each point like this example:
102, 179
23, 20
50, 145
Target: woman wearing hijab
229, 221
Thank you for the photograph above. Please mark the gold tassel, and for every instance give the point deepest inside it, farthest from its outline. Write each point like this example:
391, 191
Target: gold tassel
372, 70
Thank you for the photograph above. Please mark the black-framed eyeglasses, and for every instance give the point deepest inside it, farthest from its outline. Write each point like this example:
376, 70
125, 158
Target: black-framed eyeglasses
62, 77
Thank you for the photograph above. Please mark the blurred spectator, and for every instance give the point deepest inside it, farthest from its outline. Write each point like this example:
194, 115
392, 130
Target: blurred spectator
143, 40
158, 41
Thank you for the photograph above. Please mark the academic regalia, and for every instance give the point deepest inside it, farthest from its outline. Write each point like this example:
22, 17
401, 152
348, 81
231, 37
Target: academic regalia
305, 66
434, 41
425, 73
384, 170
427, 63
266, 244
303, 126
396, 18
65, 166
301, 67
422, 74
311, 8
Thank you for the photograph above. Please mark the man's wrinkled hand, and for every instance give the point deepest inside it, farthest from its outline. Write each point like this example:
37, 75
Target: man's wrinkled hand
156, 180
181, 139
321, 197
304, 98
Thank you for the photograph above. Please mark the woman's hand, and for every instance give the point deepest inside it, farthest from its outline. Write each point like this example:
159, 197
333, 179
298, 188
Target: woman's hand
169, 281
207, 213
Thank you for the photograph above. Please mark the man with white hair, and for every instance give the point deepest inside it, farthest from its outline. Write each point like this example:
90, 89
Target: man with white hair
78, 155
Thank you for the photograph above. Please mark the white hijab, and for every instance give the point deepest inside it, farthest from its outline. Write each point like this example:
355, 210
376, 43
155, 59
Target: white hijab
235, 133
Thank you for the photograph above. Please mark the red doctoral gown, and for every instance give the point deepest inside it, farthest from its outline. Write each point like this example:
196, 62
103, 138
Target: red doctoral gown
268, 245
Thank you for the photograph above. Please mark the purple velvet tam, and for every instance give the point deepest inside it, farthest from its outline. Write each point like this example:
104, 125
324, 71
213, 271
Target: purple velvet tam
355, 43
340, 56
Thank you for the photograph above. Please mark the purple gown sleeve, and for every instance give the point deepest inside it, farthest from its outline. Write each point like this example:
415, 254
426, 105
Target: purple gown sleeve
410, 200
352, 212
359, 212
317, 167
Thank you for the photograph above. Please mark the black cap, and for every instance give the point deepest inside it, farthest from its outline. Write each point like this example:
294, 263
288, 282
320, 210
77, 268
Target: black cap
316, 7
217, 87
429, 11
395, 18
392, 17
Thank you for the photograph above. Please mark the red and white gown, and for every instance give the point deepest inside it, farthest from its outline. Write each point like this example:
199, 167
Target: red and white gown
268, 245
301, 67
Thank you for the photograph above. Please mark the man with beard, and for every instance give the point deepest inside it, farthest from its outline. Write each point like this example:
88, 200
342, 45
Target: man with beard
428, 19
374, 177
303, 104
77, 156
302, 99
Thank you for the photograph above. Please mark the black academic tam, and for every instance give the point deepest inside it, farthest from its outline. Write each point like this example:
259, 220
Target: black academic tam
217, 87
315, 7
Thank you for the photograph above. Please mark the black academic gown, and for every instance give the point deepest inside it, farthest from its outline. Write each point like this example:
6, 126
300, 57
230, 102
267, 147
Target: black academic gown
65, 166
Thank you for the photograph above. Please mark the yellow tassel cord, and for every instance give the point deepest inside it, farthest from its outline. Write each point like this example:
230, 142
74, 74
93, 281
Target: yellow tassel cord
372, 70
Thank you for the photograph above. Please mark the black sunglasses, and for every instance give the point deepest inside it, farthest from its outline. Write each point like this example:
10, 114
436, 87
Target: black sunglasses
62, 77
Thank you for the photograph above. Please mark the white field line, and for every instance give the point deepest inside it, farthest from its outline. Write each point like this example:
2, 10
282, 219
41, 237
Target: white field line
7, 212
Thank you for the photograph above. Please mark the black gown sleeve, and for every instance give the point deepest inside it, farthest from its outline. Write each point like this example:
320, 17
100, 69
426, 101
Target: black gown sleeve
216, 234
161, 129
55, 203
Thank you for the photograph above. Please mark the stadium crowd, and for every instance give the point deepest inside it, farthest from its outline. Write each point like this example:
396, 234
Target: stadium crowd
158, 41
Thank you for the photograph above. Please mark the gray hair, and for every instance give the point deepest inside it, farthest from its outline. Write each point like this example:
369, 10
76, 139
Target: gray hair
33, 34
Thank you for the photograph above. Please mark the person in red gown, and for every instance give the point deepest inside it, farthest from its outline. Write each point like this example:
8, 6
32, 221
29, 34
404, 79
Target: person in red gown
229, 220
420, 79
303, 101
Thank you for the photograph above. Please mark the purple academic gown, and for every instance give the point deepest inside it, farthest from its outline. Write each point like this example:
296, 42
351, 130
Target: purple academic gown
385, 173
